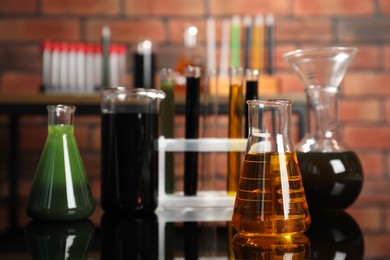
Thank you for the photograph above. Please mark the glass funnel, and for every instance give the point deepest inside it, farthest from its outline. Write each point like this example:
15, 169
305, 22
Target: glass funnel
270, 198
331, 172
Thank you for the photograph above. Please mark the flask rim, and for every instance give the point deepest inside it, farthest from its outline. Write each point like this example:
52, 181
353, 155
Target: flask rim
269, 102
320, 53
141, 92
62, 107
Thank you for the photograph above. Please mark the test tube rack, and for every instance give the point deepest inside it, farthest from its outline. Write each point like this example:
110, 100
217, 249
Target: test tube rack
203, 199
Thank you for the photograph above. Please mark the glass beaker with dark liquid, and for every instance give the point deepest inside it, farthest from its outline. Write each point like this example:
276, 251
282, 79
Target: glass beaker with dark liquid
331, 172
270, 199
129, 159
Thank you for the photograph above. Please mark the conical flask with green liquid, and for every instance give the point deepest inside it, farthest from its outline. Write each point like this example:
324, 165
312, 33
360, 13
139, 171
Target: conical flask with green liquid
60, 189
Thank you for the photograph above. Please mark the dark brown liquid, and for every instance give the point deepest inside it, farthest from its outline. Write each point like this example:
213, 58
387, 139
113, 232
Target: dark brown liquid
331, 180
129, 162
270, 198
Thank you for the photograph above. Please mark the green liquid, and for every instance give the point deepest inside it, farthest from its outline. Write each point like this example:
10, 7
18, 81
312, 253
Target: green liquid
60, 189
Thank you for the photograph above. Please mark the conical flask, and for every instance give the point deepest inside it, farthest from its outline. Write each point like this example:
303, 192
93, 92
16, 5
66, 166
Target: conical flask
332, 173
270, 199
60, 189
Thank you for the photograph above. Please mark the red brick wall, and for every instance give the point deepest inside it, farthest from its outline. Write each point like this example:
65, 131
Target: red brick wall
365, 104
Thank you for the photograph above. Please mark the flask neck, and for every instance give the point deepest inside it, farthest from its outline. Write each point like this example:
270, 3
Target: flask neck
61, 115
269, 126
322, 117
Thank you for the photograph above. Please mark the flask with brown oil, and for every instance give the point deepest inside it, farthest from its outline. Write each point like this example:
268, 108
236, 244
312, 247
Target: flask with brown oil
270, 199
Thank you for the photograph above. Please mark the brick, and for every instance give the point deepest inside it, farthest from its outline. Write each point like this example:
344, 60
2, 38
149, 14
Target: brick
388, 219
17, 6
176, 29
387, 110
167, 7
81, 7
280, 62
388, 165
334, 7
168, 56
82, 137
91, 163
39, 29
95, 135
367, 137
363, 30
384, 7
20, 58
366, 84
387, 57
127, 30
373, 165
368, 218
18, 82
376, 246
358, 110
375, 192
27, 143
367, 57
290, 83
303, 29
244, 7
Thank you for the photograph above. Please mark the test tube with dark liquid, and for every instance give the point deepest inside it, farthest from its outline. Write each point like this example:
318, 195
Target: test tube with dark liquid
251, 91
167, 114
191, 128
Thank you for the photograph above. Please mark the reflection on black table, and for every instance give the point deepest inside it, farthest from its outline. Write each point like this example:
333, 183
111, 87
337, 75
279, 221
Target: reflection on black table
59, 240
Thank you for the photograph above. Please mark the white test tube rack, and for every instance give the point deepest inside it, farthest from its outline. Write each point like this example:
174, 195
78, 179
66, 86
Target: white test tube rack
203, 199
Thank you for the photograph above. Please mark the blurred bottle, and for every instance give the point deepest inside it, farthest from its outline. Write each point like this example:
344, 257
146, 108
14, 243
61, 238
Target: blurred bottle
190, 57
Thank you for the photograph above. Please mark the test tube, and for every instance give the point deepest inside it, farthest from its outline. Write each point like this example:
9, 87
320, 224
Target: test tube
251, 91
144, 60
191, 128
167, 112
236, 108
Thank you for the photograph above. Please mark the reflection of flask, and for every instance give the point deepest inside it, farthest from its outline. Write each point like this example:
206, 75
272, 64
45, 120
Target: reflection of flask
190, 57
335, 233
296, 246
331, 172
270, 198
65, 240
60, 189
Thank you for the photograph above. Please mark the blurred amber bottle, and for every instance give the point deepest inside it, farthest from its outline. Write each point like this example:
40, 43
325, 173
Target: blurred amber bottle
190, 57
